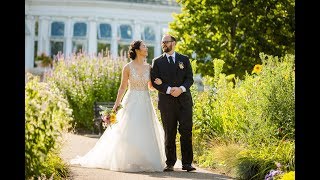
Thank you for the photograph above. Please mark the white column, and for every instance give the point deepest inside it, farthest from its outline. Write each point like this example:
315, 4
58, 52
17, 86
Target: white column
44, 36
114, 39
157, 48
92, 36
136, 30
68, 37
29, 42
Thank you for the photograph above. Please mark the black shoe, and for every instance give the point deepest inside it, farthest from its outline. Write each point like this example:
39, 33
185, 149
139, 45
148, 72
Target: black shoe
168, 168
188, 168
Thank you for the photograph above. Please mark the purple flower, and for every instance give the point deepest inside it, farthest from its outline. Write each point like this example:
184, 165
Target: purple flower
272, 174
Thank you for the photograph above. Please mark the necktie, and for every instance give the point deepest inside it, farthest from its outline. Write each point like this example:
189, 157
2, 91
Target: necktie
171, 60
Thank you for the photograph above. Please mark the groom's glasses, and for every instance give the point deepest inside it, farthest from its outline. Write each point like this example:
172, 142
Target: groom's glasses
165, 42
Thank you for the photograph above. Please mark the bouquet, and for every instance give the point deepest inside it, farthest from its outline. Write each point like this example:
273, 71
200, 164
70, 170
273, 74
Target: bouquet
109, 116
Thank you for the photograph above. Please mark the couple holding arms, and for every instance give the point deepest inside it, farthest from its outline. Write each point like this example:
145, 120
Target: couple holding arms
138, 142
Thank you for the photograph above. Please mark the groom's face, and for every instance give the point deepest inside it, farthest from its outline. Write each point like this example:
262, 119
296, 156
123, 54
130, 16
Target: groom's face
167, 44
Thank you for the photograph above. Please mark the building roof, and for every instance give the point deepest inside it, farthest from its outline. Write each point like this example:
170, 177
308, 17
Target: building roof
154, 2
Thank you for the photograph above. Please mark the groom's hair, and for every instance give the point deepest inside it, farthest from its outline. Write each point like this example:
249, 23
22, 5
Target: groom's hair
172, 37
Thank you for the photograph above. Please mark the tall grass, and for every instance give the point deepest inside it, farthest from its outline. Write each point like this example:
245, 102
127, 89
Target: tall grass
85, 79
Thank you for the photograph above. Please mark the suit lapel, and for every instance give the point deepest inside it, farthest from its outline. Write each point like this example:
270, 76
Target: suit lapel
164, 58
172, 68
177, 60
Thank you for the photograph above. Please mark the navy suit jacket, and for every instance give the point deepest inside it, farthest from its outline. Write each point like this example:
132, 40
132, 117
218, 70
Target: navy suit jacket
179, 74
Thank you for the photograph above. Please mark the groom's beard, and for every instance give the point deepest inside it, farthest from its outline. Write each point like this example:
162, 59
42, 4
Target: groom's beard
166, 49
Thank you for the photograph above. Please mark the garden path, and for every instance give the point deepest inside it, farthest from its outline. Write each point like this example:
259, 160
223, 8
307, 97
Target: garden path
74, 145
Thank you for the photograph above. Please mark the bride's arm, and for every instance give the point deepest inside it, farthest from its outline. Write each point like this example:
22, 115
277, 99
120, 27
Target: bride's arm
123, 86
157, 81
150, 86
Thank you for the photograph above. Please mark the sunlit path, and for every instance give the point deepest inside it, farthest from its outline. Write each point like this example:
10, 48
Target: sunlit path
80, 144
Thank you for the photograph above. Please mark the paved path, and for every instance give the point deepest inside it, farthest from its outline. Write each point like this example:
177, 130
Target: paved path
80, 144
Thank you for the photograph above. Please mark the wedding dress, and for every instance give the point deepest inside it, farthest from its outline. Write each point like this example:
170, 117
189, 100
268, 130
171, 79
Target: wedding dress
136, 142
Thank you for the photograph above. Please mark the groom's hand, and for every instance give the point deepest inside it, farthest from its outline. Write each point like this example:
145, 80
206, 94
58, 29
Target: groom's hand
176, 91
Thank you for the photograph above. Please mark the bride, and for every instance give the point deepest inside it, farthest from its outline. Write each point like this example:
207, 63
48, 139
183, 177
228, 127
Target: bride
136, 142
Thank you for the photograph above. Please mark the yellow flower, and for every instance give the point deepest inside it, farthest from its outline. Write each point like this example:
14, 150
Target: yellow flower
113, 118
109, 116
257, 69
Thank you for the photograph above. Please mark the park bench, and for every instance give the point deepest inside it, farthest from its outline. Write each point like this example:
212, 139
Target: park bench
97, 119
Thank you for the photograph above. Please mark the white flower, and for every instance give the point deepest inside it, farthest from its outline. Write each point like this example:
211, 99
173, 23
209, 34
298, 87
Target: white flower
181, 66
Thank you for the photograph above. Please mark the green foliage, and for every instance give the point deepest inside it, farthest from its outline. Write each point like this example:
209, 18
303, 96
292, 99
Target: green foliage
221, 157
258, 109
256, 162
279, 90
225, 156
256, 112
55, 166
85, 79
47, 116
235, 31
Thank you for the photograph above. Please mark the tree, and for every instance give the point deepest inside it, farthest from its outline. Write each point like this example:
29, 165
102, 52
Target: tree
235, 31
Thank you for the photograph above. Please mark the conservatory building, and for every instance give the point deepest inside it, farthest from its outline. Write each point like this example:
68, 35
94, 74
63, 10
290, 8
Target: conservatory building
93, 26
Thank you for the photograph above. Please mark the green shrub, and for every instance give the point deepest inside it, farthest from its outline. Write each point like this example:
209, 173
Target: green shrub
47, 116
258, 109
256, 112
279, 88
255, 163
55, 166
85, 79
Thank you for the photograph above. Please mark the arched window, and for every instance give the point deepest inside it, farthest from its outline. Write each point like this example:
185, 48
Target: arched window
57, 29
79, 39
104, 38
80, 29
104, 31
125, 32
57, 38
149, 34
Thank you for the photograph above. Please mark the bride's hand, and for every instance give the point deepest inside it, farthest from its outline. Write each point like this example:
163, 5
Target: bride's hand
115, 107
158, 81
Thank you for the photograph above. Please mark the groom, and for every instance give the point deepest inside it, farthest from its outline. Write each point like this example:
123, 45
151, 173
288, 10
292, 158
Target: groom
175, 101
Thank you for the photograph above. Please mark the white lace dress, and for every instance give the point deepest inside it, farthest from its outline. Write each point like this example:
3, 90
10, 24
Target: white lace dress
136, 142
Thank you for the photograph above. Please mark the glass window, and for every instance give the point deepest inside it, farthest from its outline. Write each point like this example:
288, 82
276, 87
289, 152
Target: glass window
104, 31
35, 49
123, 49
56, 46
149, 34
35, 53
125, 32
80, 29
150, 54
57, 29
103, 47
78, 46
36, 28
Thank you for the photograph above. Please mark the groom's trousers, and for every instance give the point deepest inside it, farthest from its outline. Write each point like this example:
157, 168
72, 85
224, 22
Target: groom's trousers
176, 116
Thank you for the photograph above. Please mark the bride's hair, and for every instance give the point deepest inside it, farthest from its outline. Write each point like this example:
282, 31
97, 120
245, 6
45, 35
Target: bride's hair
133, 46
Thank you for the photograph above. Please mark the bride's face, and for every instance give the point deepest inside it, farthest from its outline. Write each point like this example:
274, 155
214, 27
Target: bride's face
143, 51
